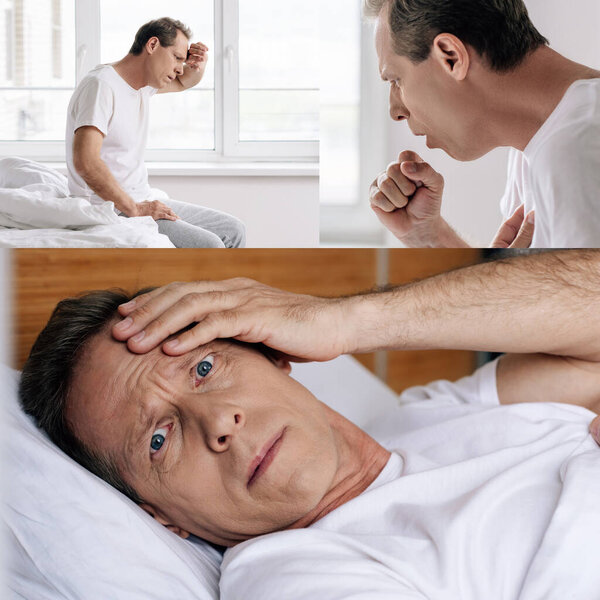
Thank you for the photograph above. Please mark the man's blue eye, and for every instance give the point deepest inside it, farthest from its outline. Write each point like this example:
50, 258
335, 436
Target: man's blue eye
203, 368
158, 439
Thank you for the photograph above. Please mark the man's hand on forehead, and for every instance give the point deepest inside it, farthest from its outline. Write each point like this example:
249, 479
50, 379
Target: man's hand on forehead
299, 326
197, 56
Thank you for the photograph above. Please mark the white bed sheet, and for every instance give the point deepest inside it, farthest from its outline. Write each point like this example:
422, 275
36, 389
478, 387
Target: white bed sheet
37, 211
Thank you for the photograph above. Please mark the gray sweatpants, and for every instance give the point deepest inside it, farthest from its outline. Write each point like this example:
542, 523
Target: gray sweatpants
200, 227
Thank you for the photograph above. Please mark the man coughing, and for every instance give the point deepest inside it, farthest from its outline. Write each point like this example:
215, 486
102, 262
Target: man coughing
474, 75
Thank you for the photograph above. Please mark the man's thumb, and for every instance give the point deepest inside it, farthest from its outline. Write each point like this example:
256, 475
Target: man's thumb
525, 235
423, 172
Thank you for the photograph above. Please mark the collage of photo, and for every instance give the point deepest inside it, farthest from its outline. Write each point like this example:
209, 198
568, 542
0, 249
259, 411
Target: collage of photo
297, 299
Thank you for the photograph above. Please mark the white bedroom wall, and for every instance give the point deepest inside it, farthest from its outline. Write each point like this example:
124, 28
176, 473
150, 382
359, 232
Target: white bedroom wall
473, 190
278, 211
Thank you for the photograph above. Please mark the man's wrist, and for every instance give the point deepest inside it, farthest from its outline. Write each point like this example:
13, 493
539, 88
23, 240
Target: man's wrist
434, 234
365, 325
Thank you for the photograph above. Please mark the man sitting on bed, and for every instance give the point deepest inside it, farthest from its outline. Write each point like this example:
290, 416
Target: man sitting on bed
460, 497
107, 128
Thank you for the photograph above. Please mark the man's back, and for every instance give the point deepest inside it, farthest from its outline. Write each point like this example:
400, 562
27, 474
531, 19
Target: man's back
563, 156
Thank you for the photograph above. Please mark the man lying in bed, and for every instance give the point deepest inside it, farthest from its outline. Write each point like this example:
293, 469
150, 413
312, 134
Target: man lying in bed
459, 498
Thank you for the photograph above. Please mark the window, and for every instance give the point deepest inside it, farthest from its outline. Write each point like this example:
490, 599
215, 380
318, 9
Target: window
340, 102
37, 73
259, 97
354, 128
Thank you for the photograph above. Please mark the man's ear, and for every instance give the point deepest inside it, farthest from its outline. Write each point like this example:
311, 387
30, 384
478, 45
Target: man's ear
282, 363
182, 533
152, 44
452, 55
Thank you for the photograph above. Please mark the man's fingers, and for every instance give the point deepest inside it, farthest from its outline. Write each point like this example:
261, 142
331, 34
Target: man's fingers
424, 173
385, 194
191, 308
219, 325
409, 156
169, 309
379, 200
405, 185
595, 429
517, 231
509, 229
525, 235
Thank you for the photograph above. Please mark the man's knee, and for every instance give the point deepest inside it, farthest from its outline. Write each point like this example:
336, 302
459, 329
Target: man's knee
235, 234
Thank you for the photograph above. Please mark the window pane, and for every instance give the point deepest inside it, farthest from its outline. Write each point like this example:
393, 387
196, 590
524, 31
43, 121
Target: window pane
181, 120
340, 103
279, 70
276, 115
33, 114
37, 50
172, 126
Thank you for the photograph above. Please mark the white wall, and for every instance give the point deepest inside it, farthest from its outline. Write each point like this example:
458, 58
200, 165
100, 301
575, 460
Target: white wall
279, 212
473, 190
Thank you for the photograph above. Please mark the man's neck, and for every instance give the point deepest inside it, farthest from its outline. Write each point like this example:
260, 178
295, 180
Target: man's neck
519, 102
360, 461
131, 68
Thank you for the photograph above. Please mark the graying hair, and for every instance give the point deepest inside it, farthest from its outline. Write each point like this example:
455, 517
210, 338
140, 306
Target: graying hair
499, 30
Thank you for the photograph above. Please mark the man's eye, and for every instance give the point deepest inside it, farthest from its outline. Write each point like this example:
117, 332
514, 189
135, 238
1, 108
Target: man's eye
158, 439
203, 367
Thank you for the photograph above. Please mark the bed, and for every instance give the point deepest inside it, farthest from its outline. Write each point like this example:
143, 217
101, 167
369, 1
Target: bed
36, 211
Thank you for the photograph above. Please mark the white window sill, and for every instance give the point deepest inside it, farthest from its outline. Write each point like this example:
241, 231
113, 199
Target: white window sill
228, 169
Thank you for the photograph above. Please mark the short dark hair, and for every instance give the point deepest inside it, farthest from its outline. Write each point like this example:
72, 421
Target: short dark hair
164, 29
499, 30
48, 375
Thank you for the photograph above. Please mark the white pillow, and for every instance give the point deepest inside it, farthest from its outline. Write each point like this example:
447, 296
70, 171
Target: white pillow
72, 536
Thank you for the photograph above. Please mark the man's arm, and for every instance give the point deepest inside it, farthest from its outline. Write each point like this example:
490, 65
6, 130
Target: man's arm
548, 378
87, 144
541, 308
407, 199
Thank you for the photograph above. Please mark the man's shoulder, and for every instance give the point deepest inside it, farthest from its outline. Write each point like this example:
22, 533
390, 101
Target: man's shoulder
100, 77
573, 129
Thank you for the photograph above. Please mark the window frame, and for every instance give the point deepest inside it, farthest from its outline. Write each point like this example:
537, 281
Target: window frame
227, 147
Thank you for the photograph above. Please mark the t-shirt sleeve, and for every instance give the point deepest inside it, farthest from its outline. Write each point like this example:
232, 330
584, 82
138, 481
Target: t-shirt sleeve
296, 565
565, 178
479, 388
94, 106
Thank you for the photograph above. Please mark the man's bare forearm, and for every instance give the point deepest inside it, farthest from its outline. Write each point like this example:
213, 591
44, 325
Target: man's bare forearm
103, 183
190, 78
537, 303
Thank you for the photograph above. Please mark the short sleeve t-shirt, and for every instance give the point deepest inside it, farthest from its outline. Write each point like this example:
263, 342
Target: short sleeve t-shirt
558, 173
104, 100
477, 501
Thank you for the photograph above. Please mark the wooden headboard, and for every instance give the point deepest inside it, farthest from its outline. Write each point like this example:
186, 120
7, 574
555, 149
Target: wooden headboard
43, 277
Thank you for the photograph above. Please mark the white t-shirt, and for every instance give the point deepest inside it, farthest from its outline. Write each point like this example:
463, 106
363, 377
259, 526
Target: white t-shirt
106, 101
478, 501
558, 173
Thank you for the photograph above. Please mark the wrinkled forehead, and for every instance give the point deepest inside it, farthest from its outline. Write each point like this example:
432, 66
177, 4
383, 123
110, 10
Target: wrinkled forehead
104, 371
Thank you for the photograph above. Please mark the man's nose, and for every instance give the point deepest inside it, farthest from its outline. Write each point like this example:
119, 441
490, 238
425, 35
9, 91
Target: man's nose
179, 69
220, 423
398, 111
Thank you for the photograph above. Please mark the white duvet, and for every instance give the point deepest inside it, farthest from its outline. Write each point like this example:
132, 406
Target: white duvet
36, 211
